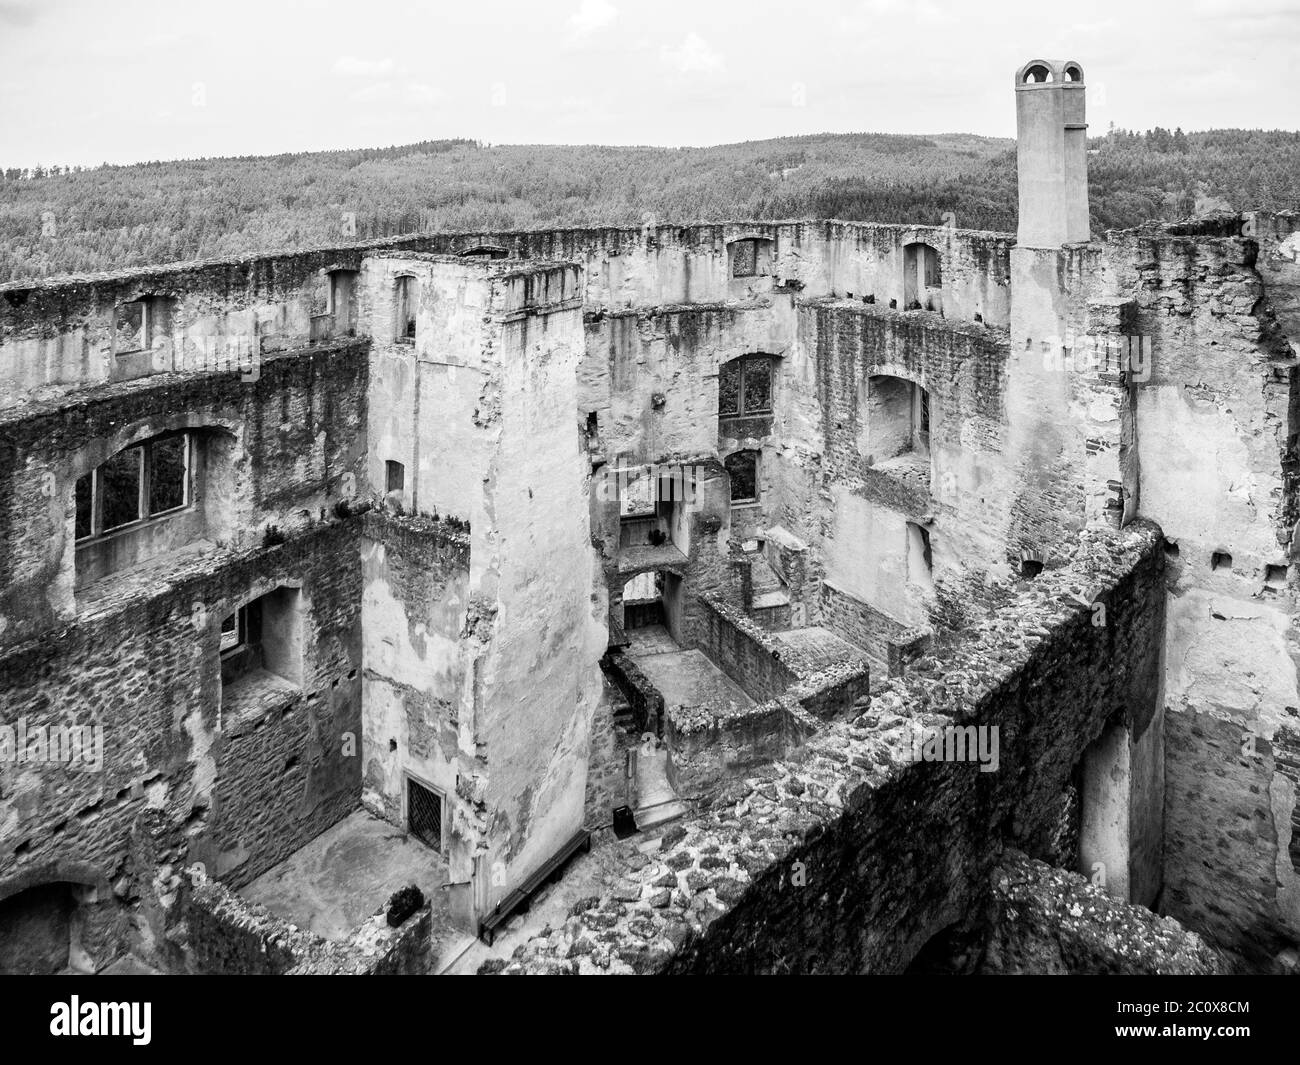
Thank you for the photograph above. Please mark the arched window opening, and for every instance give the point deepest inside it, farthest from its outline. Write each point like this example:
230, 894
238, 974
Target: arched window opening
158, 495
485, 252
145, 481
1037, 74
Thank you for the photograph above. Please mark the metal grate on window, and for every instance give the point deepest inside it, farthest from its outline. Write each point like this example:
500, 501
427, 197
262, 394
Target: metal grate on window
424, 814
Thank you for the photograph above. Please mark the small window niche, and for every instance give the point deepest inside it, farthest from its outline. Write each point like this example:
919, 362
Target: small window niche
261, 648
920, 557
406, 297
750, 257
1275, 577
394, 476
922, 278
898, 419
343, 303
742, 470
394, 480
140, 324
1220, 560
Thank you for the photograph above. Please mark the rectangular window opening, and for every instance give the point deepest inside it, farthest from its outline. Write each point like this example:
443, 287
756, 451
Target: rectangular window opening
744, 262
394, 476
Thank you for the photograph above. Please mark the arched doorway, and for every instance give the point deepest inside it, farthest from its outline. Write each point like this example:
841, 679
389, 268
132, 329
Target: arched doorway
40, 930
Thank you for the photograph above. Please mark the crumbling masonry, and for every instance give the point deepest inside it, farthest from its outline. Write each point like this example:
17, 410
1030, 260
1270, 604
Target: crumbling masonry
925, 595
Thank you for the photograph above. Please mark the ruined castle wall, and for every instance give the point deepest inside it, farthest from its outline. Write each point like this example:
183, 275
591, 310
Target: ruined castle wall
233, 779
233, 793
850, 858
415, 601
1214, 428
424, 392
537, 682
652, 377
662, 265
278, 451
959, 495
1050, 921
62, 332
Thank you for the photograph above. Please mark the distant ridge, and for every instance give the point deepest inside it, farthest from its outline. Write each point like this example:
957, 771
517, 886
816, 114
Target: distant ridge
117, 216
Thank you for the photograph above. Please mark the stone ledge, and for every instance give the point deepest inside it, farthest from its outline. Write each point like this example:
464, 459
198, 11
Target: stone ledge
1055, 922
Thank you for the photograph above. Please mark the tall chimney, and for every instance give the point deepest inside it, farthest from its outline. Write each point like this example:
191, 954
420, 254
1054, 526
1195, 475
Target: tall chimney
1051, 154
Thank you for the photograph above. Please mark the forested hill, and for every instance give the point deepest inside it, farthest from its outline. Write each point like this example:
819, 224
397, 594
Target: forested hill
117, 216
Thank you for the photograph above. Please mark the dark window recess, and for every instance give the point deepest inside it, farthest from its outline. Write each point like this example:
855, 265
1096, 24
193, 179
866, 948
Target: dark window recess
167, 474
745, 386
742, 468
394, 476
241, 642
85, 497
406, 300
424, 814
1220, 560
121, 476
729, 388
927, 554
756, 396
132, 326
141, 482
932, 274
744, 261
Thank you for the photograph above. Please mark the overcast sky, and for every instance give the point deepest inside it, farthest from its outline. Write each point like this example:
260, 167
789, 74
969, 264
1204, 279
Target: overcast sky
89, 81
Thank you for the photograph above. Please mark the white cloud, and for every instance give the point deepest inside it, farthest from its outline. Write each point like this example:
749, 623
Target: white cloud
591, 17
352, 67
694, 56
389, 92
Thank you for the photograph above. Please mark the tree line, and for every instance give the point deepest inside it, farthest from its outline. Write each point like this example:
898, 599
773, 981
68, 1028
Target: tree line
56, 220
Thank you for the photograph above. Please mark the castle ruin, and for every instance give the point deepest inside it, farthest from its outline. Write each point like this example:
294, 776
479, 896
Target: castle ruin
817, 596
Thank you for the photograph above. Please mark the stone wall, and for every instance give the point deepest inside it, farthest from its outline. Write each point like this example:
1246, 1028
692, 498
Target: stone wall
742, 650
1216, 425
190, 773
228, 936
883, 637
1050, 922
851, 857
